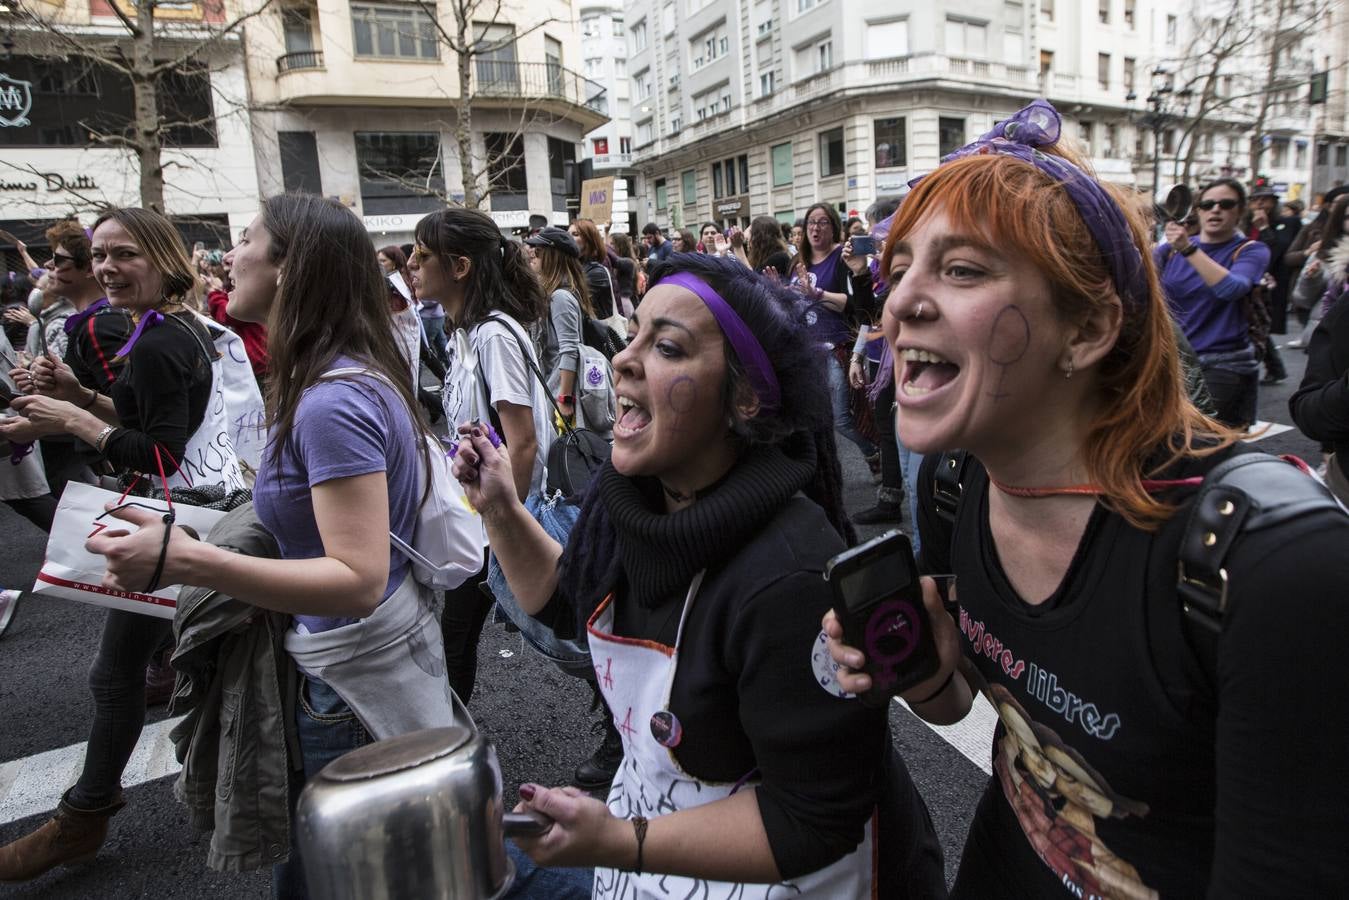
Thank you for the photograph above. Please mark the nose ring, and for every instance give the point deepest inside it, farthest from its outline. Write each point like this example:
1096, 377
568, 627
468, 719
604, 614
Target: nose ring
918, 313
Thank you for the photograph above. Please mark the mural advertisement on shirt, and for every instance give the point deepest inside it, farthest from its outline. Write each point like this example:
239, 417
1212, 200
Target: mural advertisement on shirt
1055, 793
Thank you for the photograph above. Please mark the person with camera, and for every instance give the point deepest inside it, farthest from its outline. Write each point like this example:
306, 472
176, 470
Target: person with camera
695, 571
1206, 282
1143, 718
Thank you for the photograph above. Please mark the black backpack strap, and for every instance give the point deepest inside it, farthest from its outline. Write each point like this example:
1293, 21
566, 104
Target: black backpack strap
1248, 492
948, 479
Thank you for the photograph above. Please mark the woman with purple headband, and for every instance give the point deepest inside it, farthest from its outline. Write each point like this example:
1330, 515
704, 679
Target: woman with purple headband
695, 571
1150, 608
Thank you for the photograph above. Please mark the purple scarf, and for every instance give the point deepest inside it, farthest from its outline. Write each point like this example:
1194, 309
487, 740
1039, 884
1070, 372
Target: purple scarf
75, 320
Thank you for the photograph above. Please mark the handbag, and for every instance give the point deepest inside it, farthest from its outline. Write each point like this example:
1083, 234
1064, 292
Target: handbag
73, 573
578, 453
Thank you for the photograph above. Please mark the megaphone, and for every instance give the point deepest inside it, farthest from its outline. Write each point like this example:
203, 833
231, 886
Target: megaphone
1175, 204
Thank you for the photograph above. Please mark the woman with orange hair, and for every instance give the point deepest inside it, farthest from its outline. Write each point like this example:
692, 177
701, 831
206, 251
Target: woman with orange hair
1139, 752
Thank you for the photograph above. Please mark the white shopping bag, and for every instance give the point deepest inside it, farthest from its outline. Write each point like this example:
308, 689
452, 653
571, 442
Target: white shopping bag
73, 573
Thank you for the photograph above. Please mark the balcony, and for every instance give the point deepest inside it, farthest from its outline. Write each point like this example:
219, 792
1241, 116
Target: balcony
304, 59
506, 83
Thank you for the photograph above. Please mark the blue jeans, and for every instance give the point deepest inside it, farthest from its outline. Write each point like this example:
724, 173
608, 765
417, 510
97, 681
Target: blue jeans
911, 462
840, 393
534, 882
327, 729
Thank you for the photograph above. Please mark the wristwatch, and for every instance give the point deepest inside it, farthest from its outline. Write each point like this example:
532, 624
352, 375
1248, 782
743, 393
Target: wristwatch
1190, 250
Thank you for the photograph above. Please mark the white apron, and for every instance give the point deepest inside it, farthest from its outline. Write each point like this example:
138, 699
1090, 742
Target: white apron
635, 677
209, 457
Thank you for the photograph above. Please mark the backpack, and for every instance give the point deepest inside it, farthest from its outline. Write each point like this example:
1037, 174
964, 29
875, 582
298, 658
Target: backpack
447, 534
1246, 492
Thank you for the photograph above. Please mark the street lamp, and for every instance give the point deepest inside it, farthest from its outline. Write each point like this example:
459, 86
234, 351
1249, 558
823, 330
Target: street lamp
1166, 106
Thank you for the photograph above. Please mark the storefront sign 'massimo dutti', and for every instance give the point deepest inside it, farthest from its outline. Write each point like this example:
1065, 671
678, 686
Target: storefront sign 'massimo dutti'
16, 101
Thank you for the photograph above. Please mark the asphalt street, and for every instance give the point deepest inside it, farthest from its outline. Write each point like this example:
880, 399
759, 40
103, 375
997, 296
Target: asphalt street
538, 718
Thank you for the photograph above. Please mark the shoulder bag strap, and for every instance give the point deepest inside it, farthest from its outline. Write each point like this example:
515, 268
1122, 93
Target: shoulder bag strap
543, 382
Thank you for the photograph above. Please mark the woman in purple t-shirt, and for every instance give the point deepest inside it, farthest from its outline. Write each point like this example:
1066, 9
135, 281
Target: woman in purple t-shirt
835, 282
307, 267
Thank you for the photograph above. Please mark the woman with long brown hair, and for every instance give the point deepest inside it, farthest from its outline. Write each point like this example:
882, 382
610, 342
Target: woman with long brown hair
767, 248
1144, 718
596, 264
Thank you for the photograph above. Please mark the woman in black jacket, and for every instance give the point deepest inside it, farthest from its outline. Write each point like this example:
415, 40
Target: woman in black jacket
142, 426
696, 568
1320, 406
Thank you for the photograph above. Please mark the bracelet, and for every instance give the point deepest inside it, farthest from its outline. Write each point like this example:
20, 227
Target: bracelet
639, 824
101, 441
163, 552
93, 398
1190, 250
937, 693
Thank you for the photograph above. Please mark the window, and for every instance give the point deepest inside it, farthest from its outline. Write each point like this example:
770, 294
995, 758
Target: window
662, 199
1169, 141
1013, 47
965, 38
1322, 154
641, 84
890, 147
805, 5
782, 164
506, 170
394, 32
767, 83
599, 146
765, 28
709, 46
299, 162
74, 100
730, 177
625, 145
1279, 154
950, 134
639, 36
1129, 13
1130, 65
590, 26
1103, 71
689, 183
712, 103
1171, 30
1300, 155
620, 67
643, 133
831, 152
884, 40
394, 166
562, 174
718, 182
298, 31
616, 25
1046, 63
1103, 11
552, 60
1111, 150
594, 66
1047, 10
495, 55
1086, 129
1341, 155
667, 18
824, 56
814, 58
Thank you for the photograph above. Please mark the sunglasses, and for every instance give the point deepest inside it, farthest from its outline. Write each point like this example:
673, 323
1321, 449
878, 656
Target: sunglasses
60, 259
1225, 204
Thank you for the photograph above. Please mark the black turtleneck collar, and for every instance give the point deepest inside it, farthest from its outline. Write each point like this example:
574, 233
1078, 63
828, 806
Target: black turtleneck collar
660, 552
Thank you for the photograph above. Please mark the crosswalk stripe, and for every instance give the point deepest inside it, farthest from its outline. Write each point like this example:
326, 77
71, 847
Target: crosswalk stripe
32, 785
1271, 429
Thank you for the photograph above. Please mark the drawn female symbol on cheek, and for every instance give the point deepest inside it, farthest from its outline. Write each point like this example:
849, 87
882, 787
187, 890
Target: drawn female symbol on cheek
891, 636
1008, 341
682, 397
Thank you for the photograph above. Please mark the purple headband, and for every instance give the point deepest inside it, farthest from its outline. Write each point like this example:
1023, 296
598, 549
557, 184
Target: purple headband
1039, 125
746, 346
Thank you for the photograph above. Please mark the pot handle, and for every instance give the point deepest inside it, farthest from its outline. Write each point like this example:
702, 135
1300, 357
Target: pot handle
525, 824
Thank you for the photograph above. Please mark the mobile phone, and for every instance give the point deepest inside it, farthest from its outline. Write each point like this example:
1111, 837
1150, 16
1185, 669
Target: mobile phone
6, 395
879, 601
863, 245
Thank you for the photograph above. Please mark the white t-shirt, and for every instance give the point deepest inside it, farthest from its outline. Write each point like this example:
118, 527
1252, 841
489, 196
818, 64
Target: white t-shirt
502, 374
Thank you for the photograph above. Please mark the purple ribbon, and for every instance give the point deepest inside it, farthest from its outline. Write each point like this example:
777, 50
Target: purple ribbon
1039, 125
75, 320
151, 318
747, 348
18, 451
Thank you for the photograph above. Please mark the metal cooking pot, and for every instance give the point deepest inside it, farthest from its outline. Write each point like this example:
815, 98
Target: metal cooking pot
416, 816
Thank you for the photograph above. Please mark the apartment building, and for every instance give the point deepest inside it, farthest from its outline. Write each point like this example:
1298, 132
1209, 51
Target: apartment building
604, 54
361, 100
1330, 166
750, 107
62, 114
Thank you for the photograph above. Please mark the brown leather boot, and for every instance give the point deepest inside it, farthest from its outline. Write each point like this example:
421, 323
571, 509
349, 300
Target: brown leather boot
73, 835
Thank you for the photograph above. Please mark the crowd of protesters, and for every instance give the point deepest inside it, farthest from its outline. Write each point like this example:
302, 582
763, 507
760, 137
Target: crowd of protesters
1048, 417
